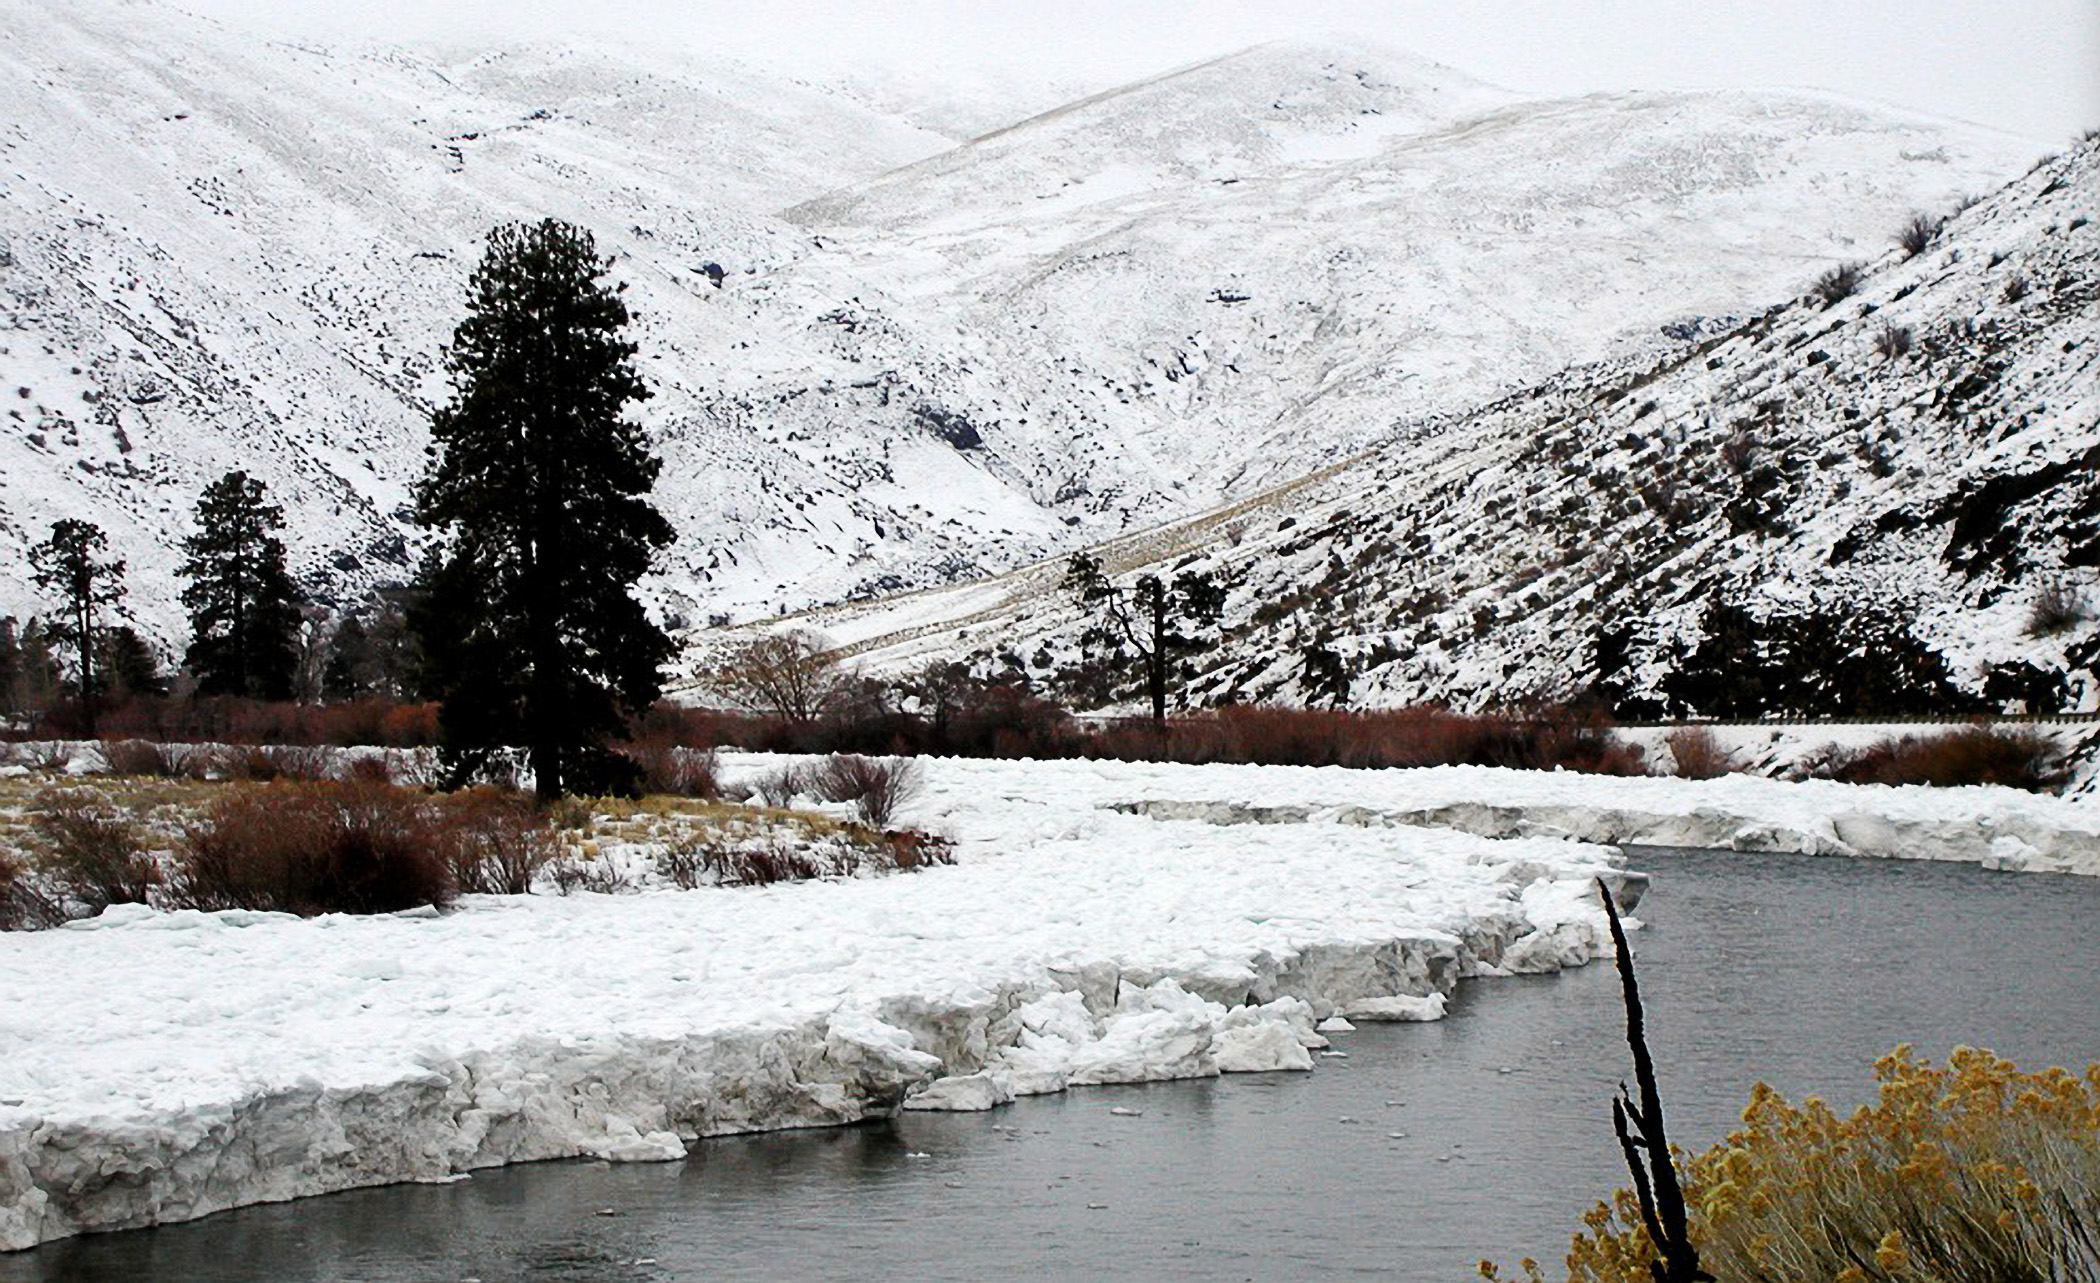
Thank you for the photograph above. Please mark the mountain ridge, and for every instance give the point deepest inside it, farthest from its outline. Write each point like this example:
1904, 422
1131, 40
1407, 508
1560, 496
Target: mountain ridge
260, 269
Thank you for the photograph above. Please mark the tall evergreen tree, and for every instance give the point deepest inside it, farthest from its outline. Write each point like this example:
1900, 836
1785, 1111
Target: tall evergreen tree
244, 608
71, 564
1151, 617
348, 673
531, 634
129, 666
31, 671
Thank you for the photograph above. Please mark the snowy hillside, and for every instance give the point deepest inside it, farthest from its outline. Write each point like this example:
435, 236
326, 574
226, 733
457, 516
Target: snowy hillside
883, 360
1926, 444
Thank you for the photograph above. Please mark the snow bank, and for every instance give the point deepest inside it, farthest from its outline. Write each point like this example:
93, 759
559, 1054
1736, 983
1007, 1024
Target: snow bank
1998, 828
160, 1066
1106, 923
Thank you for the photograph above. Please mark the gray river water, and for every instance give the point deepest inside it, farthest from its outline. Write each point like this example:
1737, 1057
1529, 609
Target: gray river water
1429, 1146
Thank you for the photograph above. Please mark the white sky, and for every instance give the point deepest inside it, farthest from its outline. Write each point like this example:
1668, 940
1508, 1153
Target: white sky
2028, 66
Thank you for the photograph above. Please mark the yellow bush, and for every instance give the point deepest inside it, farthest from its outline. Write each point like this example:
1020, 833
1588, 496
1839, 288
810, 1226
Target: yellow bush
1974, 1171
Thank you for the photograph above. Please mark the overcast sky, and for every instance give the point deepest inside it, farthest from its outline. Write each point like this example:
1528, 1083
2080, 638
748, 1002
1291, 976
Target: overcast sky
2028, 66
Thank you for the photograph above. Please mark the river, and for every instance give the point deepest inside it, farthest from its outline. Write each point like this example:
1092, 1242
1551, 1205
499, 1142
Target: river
1421, 1150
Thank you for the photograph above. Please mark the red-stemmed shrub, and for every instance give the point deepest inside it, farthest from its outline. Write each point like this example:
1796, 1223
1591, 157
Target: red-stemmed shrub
311, 848
875, 786
1696, 755
140, 757
89, 850
2017, 757
495, 842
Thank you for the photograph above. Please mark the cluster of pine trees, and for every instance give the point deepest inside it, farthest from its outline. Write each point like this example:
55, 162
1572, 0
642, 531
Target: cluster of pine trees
521, 622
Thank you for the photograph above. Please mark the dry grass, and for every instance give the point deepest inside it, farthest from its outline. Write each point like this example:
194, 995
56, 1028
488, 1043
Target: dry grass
1973, 1171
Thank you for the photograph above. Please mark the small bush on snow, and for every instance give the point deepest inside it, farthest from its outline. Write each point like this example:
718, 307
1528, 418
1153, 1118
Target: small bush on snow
1836, 285
141, 757
495, 843
2057, 608
310, 848
89, 850
875, 786
669, 767
23, 904
1696, 755
782, 785
2020, 758
1917, 235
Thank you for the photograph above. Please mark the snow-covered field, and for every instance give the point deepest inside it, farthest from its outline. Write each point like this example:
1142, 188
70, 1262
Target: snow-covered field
1105, 923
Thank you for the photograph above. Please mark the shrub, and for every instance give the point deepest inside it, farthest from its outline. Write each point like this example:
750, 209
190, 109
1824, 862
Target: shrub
23, 904
89, 850
494, 843
875, 786
1973, 1171
278, 762
1696, 755
2057, 608
1917, 235
310, 848
1836, 285
140, 757
372, 768
669, 767
686, 860
2019, 757
780, 786
573, 873
775, 860
1892, 342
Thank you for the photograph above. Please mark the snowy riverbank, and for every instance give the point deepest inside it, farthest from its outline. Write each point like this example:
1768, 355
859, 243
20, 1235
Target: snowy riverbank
1105, 923
1997, 828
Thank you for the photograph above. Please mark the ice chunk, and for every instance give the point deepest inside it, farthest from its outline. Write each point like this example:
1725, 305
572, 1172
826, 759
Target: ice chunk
963, 1093
1399, 1007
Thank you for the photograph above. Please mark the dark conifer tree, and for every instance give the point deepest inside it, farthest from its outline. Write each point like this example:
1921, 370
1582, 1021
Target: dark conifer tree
1151, 617
531, 634
347, 674
244, 608
129, 666
10, 664
70, 563
32, 672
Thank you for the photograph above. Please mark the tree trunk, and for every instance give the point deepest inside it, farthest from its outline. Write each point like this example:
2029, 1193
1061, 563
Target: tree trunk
1156, 662
87, 662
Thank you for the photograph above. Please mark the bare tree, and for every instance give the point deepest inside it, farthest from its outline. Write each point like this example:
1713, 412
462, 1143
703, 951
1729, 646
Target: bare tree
790, 675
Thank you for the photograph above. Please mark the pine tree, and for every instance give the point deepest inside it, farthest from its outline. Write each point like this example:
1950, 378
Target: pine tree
244, 608
348, 672
129, 666
531, 634
70, 563
1151, 617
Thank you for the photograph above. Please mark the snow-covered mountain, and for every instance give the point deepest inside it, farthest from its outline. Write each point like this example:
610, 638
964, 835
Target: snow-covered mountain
1928, 442
885, 357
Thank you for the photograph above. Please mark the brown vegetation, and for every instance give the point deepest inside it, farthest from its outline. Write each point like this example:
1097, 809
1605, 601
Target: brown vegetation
1696, 755
310, 848
89, 849
2018, 757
